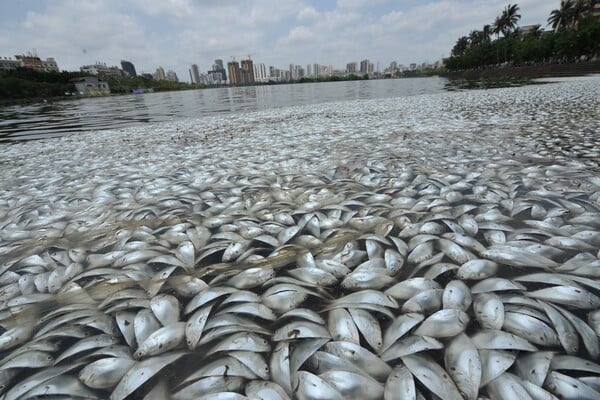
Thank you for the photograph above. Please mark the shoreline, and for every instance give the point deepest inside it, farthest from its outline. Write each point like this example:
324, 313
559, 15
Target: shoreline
34, 100
527, 71
505, 72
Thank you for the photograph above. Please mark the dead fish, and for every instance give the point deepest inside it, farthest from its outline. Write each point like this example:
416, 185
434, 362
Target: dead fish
464, 365
352, 385
432, 376
105, 373
162, 340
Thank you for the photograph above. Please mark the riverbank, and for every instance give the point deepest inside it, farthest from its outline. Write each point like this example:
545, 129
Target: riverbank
526, 71
26, 86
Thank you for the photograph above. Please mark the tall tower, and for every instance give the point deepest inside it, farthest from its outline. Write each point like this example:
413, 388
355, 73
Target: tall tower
260, 72
128, 67
316, 69
160, 74
234, 73
195, 73
218, 67
247, 71
364, 66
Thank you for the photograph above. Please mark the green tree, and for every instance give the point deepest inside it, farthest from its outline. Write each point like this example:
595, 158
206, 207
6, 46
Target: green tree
562, 17
486, 33
475, 38
462, 44
510, 17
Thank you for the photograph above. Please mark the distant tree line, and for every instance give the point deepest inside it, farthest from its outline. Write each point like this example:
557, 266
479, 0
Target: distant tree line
575, 35
28, 83
126, 84
333, 78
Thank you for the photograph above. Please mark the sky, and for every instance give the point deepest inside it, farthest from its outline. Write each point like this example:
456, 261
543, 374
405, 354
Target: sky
177, 33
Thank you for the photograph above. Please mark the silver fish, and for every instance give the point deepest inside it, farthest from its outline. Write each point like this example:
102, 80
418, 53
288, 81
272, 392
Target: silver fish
464, 365
140, 372
352, 385
432, 376
162, 340
105, 373
312, 387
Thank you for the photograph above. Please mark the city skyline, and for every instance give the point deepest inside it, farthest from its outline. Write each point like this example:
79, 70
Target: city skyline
176, 34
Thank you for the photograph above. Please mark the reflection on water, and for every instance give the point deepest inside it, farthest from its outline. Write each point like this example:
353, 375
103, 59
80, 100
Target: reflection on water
43, 120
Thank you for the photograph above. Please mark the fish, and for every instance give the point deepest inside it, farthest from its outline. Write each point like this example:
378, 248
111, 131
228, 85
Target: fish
287, 261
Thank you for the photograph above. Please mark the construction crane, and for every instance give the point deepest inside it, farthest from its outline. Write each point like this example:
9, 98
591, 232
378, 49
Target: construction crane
242, 56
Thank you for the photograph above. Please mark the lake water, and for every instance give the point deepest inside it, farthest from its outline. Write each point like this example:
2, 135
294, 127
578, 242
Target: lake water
41, 120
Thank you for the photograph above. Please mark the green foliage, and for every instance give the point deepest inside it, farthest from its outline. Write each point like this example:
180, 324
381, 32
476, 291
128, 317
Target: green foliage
127, 84
23, 83
28, 83
576, 37
334, 78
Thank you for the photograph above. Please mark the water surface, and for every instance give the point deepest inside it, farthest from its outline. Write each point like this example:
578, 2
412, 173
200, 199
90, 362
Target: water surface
42, 120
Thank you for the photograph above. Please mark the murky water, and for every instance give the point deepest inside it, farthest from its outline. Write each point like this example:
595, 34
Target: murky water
34, 121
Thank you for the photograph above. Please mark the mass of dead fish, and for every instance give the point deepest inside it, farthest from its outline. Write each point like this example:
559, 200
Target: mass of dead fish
438, 264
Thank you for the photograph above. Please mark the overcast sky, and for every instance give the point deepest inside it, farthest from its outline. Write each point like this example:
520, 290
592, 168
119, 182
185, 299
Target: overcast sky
177, 33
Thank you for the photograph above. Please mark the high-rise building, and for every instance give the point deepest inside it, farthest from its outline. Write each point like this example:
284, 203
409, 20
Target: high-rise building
364, 66
233, 68
215, 77
308, 70
351, 67
260, 73
160, 74
171, 76
316, 70
128, 67
218, 67
247, 71
296, 72
195, 74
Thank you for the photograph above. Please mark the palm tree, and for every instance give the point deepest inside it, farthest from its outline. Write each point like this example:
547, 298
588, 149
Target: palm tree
579, 10
562, 17
498, 27
475, 37
536, 31
510, 18
462, 44
486, 32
